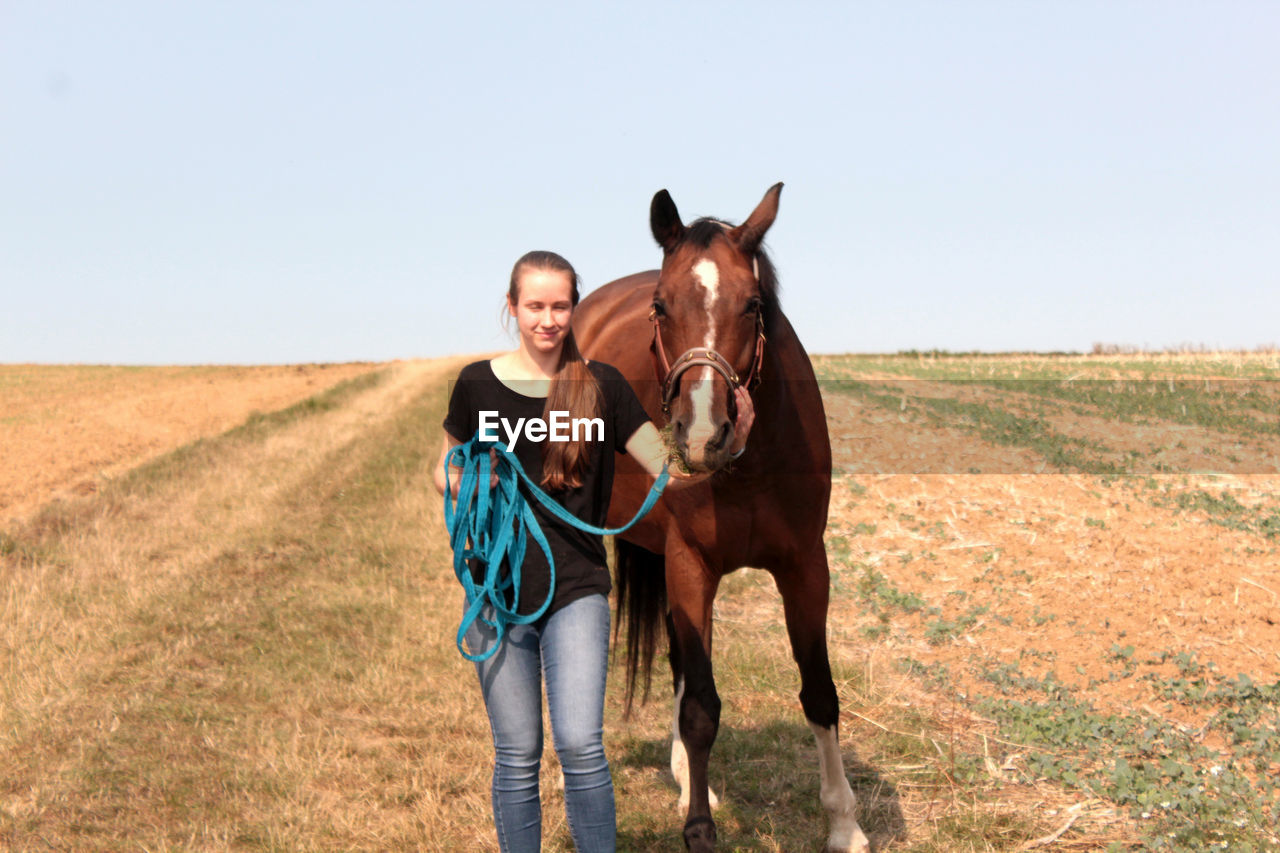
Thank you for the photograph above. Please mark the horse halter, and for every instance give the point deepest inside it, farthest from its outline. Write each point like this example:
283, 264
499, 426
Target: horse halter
669, 373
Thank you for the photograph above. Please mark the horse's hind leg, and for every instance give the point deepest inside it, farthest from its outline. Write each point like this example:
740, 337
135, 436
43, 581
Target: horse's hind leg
805, 595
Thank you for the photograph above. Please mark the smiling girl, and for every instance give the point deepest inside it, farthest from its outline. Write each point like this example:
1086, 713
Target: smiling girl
567, 648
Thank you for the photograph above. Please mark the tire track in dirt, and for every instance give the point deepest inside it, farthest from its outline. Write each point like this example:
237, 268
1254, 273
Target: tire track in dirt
121, 550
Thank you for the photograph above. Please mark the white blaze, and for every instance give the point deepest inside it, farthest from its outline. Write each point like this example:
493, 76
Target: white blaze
707, 274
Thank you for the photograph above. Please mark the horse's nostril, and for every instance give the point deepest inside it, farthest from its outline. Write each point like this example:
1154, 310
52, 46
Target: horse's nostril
721, 438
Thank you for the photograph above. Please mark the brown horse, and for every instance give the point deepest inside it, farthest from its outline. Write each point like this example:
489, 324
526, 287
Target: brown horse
714, 306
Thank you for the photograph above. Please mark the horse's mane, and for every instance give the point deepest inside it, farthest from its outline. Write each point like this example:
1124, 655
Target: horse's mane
701, 232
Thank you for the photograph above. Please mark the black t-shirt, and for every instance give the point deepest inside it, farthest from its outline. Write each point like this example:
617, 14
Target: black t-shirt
579, 557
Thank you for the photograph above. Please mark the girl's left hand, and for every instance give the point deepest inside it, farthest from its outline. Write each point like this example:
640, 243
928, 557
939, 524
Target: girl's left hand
746, 418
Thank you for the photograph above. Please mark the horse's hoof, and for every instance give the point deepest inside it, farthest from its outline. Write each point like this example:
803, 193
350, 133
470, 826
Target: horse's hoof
700, 835
857, 844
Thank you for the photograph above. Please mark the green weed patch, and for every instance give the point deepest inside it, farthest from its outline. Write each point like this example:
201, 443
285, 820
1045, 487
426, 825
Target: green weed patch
1186, 794
1225, 510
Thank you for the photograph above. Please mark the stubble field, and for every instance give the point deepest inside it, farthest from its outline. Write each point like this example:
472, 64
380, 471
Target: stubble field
67, 428
1055, 620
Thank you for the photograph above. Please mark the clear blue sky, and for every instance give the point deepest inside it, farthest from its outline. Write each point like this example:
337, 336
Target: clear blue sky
249, 182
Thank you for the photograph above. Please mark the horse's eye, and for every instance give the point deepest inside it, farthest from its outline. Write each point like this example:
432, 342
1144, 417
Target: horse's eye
659, 308
754, 306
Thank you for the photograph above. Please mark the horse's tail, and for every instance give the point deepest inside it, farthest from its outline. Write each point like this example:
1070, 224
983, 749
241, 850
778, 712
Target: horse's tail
642, 602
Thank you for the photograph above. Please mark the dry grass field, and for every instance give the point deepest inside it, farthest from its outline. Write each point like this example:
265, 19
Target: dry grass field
1055, 620
66, 428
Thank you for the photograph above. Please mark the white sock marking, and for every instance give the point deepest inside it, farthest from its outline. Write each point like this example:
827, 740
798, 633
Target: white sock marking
837, 796
680, 758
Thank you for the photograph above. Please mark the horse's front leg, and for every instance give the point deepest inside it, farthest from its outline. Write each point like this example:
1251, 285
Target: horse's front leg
805, 589
690, 592
679, 755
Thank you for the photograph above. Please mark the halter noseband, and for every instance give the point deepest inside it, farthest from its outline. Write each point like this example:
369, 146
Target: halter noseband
669, 373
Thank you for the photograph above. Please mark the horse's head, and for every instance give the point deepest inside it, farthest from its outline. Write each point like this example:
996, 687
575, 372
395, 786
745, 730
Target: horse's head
714, 303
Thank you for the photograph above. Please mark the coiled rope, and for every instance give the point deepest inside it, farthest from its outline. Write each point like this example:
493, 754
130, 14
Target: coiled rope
488, 525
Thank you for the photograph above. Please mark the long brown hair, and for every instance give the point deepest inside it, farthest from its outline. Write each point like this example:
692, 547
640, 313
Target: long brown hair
573, 388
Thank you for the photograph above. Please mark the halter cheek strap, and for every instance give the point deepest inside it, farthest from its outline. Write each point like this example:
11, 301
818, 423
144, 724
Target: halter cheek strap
669, 373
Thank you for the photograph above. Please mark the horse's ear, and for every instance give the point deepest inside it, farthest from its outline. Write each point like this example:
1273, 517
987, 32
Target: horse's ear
664, 221
748, 235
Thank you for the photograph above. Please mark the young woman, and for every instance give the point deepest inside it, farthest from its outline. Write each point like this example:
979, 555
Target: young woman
567, 648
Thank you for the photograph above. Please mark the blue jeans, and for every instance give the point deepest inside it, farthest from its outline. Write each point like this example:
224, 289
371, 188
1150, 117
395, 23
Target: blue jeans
569, 650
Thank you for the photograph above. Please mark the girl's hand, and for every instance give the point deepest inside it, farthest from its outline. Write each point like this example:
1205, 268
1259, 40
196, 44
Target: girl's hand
455, 475
746, 419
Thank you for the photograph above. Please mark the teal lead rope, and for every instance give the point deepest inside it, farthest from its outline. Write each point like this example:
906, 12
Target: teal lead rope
488, 525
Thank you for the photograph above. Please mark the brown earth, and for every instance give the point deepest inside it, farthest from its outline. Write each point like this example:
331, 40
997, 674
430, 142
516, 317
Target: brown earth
64, 429
1079, 575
